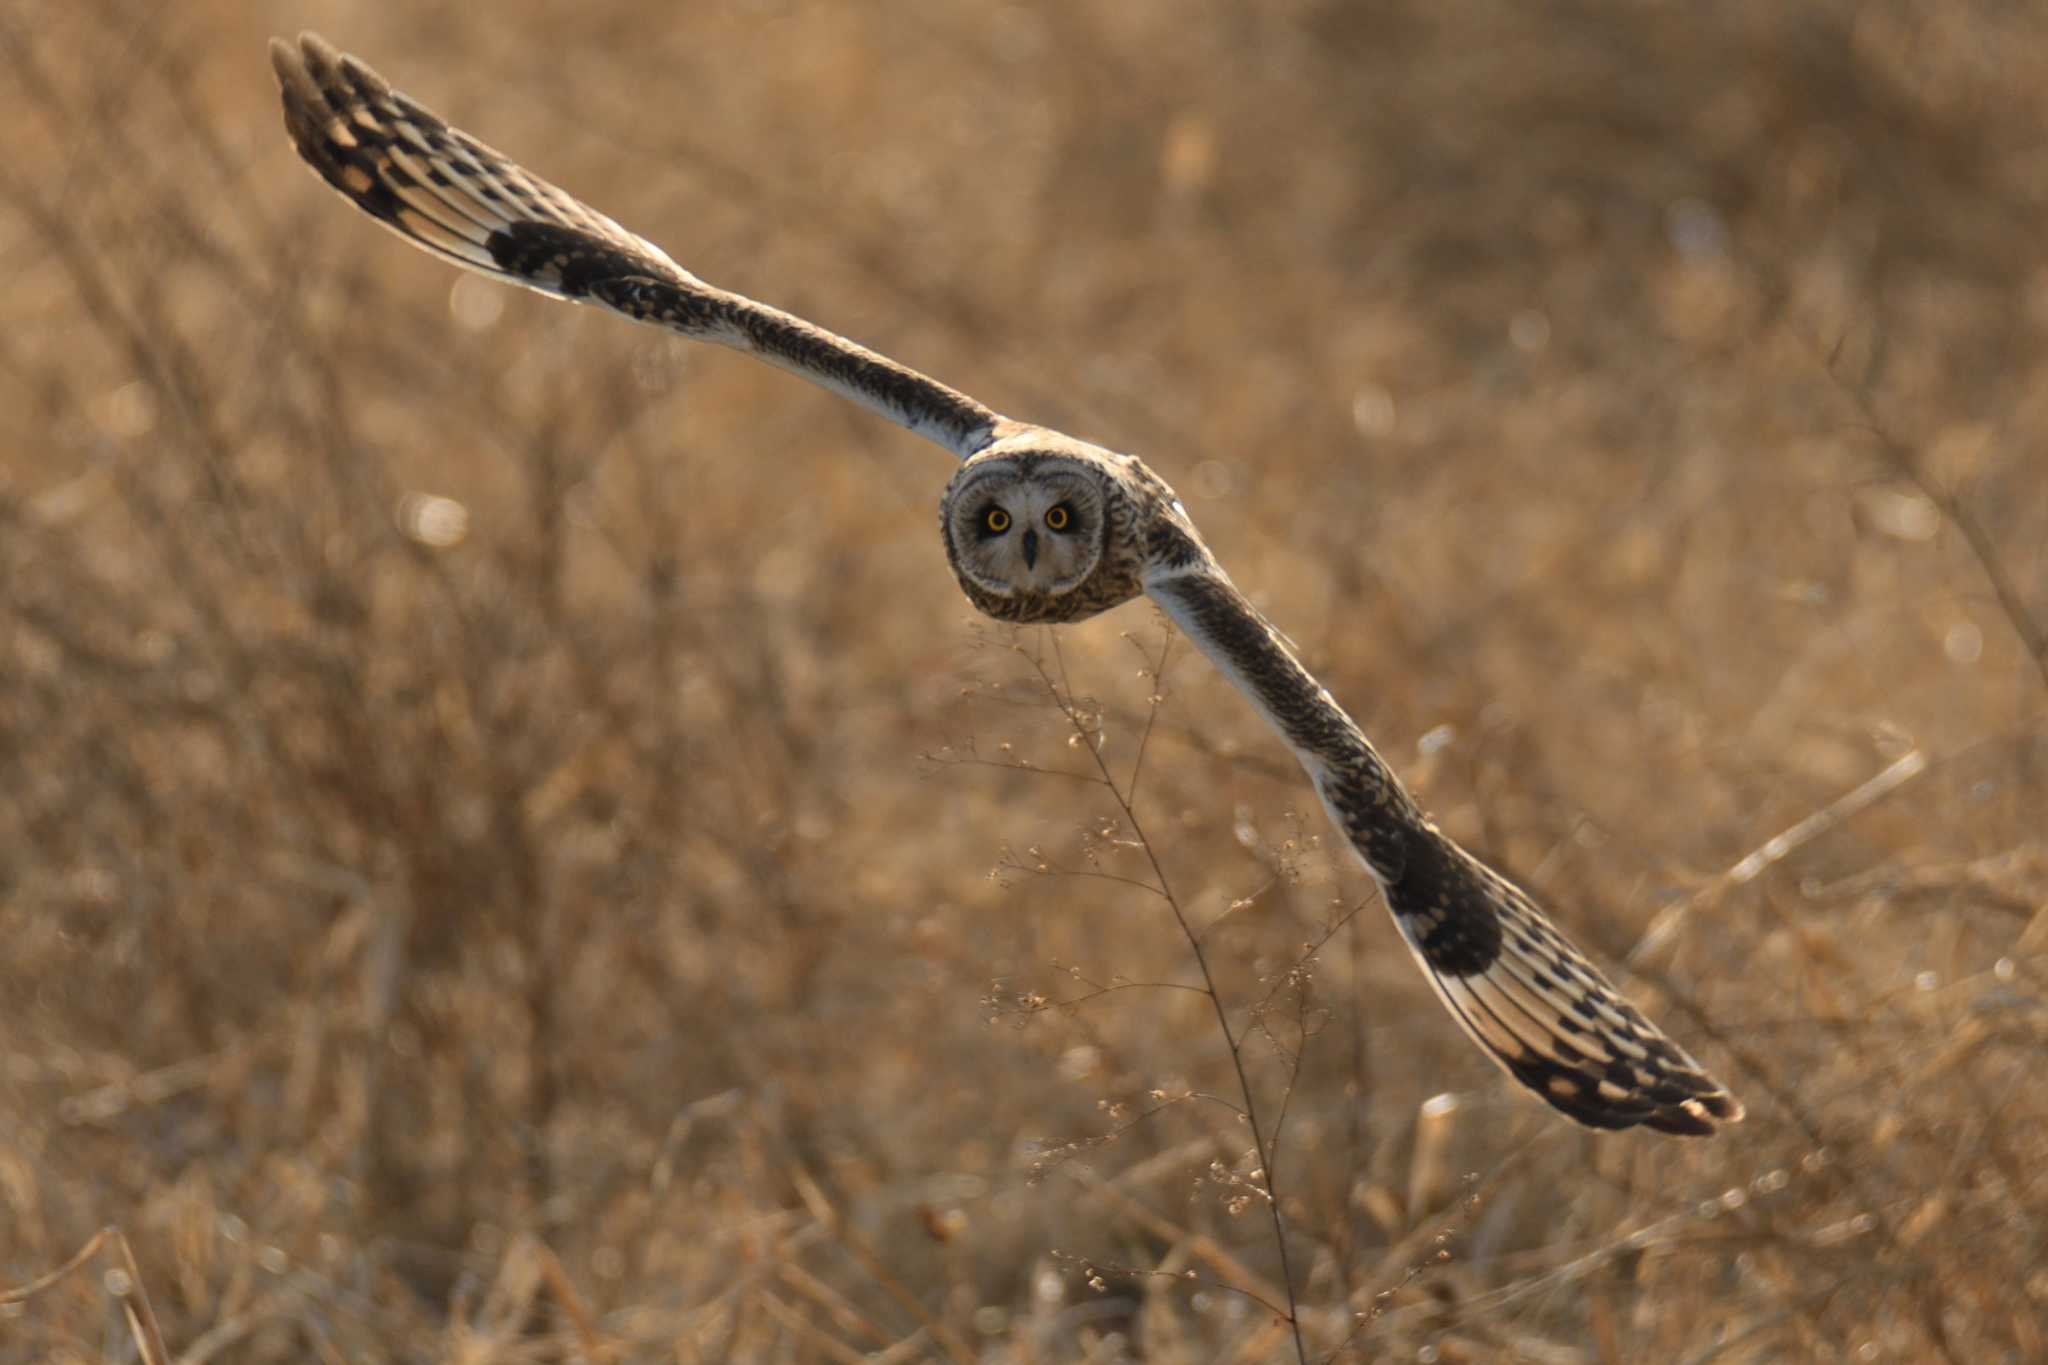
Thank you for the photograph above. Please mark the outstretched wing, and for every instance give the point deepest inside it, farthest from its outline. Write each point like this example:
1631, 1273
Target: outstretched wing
444, 191
1521, 990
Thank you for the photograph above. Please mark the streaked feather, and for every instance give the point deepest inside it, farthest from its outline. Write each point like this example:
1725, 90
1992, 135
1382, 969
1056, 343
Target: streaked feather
446, 192
1513, 982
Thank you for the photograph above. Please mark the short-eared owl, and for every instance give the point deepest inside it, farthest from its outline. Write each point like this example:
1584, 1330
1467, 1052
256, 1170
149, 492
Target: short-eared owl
1039, 526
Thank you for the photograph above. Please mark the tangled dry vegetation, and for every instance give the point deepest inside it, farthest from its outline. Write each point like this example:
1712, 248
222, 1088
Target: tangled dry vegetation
499, 807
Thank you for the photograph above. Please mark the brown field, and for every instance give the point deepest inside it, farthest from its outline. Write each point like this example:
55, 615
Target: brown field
630, 909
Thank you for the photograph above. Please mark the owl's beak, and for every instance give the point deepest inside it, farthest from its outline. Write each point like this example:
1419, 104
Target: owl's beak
1031, 549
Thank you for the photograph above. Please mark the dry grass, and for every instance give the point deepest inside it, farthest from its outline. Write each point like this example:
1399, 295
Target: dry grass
576, 942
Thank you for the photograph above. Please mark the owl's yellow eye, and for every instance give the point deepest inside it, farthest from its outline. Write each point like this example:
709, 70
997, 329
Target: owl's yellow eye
997, 520
1057, 518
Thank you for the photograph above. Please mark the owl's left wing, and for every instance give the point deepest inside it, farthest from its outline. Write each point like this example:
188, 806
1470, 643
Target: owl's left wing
447, 193
1518, 987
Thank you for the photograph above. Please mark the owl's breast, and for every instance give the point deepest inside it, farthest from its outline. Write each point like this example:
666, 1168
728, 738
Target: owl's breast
1094, 595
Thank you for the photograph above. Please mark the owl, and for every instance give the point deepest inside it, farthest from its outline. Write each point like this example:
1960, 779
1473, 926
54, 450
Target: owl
1039, 526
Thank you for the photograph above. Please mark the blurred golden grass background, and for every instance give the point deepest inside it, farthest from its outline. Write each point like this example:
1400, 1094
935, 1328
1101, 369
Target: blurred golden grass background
486, 869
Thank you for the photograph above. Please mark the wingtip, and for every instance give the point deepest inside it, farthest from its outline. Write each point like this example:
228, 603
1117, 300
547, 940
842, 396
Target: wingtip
308, 62
288, 55
1703, 1115
285, 61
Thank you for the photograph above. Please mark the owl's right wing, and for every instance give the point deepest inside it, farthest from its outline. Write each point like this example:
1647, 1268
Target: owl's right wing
446, 192
1519, 988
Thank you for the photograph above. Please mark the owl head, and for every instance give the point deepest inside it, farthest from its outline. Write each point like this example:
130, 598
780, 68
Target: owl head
1026, 529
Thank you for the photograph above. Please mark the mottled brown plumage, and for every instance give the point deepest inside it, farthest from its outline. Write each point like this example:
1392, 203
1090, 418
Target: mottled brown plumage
1041, 527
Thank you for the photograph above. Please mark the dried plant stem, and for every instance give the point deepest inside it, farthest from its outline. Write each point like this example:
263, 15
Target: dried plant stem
142, 1325
570, 1301
828, 1345
1236, 1276
2033, 636
135, 1305
822, 1209
22, 1293
1782, 845
1062, 694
